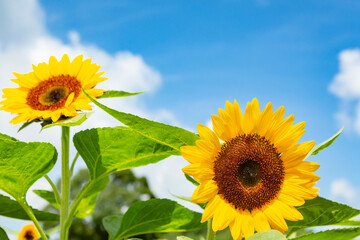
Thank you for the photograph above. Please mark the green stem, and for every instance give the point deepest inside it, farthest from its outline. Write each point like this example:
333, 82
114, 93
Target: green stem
65, 182
210, 232
73, 163
77, 201
31, 215
56, 193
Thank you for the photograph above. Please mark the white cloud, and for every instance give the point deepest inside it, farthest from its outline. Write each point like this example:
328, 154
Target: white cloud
24, 40
346, 86
341, 189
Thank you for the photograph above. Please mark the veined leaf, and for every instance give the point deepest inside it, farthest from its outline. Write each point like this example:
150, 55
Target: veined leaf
111, 224
107, 150
6, 137
334, 234
173, 137
70, 122
157, 215
322, 212
319, 147
87, 204
12, 209
49, 196
22, 164
3, 235
268, 235
353, 223
112, 94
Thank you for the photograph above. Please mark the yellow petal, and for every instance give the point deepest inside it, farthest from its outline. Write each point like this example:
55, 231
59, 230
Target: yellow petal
208, 135
204, 192
220, 128
260, 221
224, 215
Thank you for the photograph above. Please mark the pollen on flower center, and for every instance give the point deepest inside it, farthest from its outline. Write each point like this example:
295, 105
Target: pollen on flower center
51, 94
249, 172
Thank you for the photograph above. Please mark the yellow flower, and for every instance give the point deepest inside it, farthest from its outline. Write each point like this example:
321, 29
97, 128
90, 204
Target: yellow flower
29, 232
53, 90
255, 178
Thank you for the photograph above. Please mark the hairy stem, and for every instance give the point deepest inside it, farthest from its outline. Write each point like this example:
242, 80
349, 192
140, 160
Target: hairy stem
31, 215
65, 182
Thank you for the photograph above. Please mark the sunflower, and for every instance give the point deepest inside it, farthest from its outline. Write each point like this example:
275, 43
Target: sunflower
253, 180
29, 232
53, 90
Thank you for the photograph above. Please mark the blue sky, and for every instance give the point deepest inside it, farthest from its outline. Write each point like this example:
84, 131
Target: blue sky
208, 52
192, 56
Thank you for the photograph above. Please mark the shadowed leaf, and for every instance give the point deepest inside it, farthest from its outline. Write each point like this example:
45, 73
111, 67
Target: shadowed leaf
12, 209
157, 215
334, 234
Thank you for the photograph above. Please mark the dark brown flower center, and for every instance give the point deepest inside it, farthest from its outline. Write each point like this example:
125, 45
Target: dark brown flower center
249, 172
29, 235
52, 94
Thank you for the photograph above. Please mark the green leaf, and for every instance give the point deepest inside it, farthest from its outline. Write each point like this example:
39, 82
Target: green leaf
87, 204
107, 150
157, 215
353, 223
319, 147
26, 124
183, 238
192, 180
268, 235
321, 212
69, 122
173, 137
12, 209
334, 234
112, 224
49, 196
22, 164
112, 93
188, 199
3, 235
6, 137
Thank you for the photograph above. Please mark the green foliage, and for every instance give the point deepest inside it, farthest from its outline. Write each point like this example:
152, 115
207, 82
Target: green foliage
183, 238
112, 224
68, 122
107, 150
163, 134
157, 215
49, 196
334, 234
192, 180
3, 235
12, 209
113, 93
87, 204
21, 164
319, 147
321, 212
268, 235
352, 223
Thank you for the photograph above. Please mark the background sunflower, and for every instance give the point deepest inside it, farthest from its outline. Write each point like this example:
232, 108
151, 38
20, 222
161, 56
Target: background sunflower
53, 90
